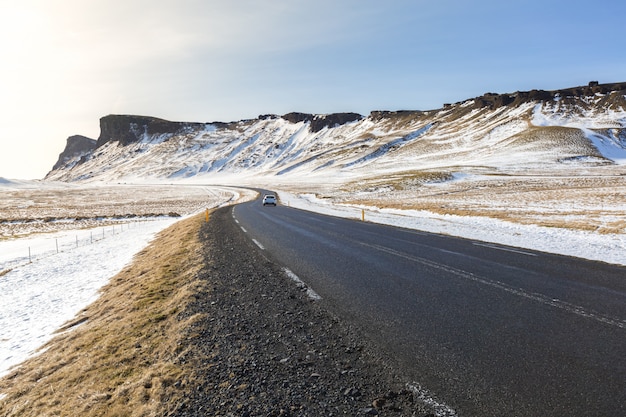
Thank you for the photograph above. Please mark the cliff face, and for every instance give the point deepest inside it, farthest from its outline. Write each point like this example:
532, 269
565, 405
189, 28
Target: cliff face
536, 128
319, 122
75, 147
615, 92
129, 129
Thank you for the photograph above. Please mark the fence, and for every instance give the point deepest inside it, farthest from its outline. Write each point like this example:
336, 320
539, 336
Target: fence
19, 252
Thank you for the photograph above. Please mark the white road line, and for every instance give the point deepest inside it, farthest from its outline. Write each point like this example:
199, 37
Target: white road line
492, 246
244, 229
312, 294
543, 299
236, 221
258, 244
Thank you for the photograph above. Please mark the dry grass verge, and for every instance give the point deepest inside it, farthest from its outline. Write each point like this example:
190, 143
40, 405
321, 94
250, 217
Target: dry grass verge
119, 356
398, 181
593, 203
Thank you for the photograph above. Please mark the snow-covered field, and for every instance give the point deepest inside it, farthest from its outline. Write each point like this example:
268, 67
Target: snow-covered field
39, 296
36, 207
47, 278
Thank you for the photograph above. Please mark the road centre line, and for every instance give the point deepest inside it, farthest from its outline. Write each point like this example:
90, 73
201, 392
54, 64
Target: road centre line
258, 244
543, 299
493, 246
487, 245
244, 229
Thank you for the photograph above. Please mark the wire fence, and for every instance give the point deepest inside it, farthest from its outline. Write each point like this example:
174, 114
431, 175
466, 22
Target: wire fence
20, 252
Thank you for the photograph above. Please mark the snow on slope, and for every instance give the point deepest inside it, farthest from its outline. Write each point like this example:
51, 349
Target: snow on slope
507, 137
612, 145
22, 184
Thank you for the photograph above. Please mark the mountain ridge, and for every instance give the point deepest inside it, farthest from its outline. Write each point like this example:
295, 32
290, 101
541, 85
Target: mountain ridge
484, 131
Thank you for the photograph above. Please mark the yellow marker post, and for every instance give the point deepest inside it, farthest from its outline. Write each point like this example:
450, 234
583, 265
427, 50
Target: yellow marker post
362, 215
206, 216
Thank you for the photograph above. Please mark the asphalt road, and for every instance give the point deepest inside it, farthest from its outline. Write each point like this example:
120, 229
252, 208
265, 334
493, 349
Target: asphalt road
482, 329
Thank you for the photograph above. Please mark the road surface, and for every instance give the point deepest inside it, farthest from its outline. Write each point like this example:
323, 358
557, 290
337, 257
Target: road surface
483, 329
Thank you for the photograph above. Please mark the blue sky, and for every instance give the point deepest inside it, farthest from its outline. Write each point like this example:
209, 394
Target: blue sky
66, 63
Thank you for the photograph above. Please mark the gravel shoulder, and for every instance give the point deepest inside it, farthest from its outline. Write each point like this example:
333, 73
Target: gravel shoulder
265, 348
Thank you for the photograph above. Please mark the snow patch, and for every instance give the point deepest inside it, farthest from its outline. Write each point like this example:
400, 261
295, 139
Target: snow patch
40, 296
611, 147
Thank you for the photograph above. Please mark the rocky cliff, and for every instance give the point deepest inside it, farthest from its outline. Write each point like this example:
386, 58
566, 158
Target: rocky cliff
320, 121
76, 148
127, 129
494, 101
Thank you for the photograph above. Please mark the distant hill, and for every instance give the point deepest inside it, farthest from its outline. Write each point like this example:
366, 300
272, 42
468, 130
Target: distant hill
572, 127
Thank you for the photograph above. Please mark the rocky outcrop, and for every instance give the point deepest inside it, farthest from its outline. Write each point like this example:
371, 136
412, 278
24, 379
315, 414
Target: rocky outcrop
127, 129
320, 121
296, 117
76, 147
268, 116
332, 120
495, 101
377, 115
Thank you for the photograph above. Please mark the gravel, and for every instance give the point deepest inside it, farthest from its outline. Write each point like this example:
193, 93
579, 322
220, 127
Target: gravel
264, 348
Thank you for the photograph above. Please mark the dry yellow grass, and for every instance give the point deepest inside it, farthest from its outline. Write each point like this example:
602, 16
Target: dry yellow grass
586, 202
54, 207
118, 357
398, 181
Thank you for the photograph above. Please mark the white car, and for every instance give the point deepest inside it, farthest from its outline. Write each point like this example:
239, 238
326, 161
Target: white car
269, 200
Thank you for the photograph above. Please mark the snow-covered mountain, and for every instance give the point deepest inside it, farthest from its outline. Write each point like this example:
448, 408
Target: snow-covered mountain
583, 126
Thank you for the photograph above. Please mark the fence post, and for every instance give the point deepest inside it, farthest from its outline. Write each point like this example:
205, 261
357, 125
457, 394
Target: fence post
57, 242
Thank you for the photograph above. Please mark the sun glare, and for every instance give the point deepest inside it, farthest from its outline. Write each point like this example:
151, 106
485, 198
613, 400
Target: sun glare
18, 23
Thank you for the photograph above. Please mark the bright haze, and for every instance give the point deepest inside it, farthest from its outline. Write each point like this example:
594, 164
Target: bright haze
67, 63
